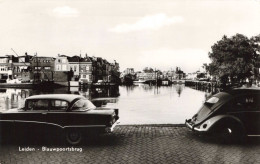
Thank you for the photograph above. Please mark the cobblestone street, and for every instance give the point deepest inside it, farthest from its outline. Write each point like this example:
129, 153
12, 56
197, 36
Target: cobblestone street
140, 144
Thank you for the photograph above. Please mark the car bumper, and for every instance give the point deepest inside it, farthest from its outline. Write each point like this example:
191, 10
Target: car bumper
192, 127
111, 129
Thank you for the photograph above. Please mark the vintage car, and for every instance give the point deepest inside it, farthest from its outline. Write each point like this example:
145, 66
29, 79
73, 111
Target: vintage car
71, 116
231, 115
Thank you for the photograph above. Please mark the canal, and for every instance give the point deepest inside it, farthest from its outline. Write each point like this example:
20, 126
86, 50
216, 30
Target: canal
137, 104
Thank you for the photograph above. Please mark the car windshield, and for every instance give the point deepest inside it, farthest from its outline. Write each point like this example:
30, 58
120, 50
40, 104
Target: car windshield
83, 104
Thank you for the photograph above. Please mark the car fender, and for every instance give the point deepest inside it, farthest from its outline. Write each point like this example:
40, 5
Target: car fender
214, 122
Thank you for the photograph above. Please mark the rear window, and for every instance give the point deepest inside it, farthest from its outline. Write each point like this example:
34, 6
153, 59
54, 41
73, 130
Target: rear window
212, 100
83, 104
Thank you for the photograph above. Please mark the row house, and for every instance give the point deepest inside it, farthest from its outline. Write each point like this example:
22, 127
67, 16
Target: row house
12, 67
6, 67
61, 63
22, 67
168, 75
60, 69
81, 68
130, 71
42, 68
146, 76
85, 70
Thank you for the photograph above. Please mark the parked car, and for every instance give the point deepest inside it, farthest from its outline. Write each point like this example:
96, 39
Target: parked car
232, 114
72, 116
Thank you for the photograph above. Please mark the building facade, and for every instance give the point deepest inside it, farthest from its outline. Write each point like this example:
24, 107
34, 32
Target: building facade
42, 68
85, 70
6, 68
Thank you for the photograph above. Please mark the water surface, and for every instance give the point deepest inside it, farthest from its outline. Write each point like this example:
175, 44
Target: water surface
138, 104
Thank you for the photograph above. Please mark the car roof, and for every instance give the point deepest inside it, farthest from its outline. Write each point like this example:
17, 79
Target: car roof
67, 97
243, 90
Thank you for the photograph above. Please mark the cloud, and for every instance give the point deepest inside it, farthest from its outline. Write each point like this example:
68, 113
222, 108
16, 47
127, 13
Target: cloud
190, 60
65, 11
152, 22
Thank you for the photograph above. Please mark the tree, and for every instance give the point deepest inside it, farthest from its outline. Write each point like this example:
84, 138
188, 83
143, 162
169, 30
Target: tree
148, 70
233, 58
256, 45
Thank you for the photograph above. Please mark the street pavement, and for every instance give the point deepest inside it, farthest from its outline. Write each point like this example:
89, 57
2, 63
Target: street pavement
136, 144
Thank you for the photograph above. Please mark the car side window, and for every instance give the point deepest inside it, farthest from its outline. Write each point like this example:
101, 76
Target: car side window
58, 105
38, 105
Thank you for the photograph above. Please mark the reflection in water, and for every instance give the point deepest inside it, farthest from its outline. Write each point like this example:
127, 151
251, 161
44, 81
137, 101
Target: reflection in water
179, 88
137, 104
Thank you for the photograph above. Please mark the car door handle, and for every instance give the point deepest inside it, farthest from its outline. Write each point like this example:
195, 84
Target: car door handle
44, 113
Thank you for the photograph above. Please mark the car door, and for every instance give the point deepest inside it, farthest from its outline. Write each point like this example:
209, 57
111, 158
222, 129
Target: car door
32, 119
247, 109
253, 114
57, 115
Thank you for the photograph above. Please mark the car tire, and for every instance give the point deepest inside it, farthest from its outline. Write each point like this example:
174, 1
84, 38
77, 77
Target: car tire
232, 134
73, 136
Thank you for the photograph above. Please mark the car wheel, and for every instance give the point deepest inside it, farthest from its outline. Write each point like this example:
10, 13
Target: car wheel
73, 137
231, 134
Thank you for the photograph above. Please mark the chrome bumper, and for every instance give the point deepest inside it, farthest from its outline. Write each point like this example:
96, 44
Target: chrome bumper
111, 129
193, 128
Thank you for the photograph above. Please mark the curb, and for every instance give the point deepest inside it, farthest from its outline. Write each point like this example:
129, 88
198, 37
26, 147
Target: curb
155, 125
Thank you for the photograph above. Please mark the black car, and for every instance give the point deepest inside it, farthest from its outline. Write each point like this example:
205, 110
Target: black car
71, 116
232, 114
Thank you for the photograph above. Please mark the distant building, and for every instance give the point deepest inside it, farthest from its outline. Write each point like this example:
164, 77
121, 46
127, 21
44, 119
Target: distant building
6, 67
74, 63
146, 76
168, 75
191, 76
22, 67
129, 71
42, 68
61, 63
85, 70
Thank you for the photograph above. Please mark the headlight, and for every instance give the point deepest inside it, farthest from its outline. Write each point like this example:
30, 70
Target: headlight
205, 124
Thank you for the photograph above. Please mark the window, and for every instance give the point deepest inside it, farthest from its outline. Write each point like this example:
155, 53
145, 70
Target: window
63, 60
83, 104
47, 68
87, 68
64, 68
59, 61
212, 100
59, 105
37, 104
3, 60
21, 60
75, 68
37, 68
58, 67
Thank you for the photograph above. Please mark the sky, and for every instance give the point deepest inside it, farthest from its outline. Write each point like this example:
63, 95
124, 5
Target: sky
161, 34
